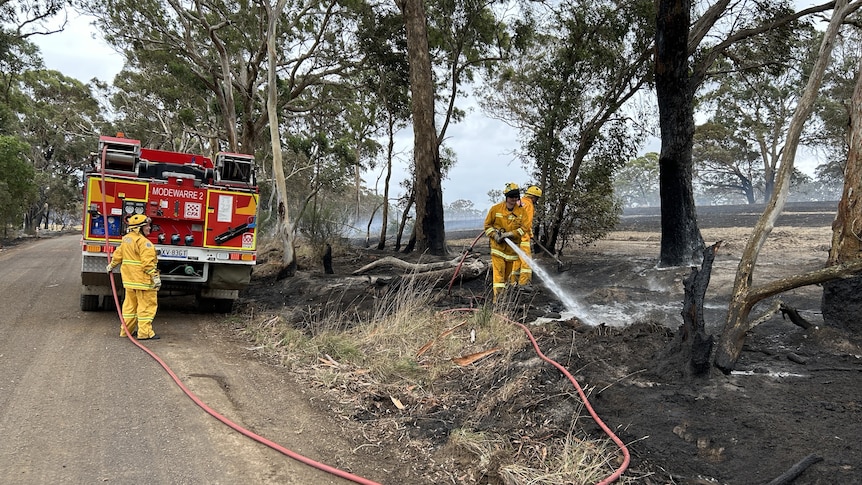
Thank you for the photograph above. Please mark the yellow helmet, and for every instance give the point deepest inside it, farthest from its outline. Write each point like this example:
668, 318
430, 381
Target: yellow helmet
511, 190
138, 220
533, 190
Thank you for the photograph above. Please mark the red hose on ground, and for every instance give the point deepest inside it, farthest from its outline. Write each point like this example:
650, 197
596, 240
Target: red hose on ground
191, 395
626, 457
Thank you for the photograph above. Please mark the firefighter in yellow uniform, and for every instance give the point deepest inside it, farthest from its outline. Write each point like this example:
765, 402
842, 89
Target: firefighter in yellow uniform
505, 221
522, 274
136, 258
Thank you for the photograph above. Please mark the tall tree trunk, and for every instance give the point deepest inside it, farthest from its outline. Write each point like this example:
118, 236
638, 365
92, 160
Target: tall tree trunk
429, 230
284, 228
404, 216
225, 81
842, 299
681, 241
745, 295
390, 149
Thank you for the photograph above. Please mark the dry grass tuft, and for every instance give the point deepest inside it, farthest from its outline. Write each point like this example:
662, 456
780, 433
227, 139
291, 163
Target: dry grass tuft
407, 352
566, 461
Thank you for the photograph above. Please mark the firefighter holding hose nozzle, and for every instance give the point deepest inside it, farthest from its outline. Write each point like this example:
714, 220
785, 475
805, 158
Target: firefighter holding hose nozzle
136, 257
522, 274
505, 221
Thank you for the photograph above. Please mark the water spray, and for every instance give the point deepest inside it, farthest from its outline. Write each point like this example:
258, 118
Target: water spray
568, 302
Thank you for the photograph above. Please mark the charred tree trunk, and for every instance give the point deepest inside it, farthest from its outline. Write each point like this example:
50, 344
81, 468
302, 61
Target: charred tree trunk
404, 217
841, 302
327, 260
691, 347
694, 326
381, 243
429, 229
681, 241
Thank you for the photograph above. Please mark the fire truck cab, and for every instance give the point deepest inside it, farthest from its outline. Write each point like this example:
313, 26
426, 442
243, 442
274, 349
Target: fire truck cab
203, 213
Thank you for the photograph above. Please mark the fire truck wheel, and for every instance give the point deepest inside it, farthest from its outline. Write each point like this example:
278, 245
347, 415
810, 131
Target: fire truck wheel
89, 303
108, 303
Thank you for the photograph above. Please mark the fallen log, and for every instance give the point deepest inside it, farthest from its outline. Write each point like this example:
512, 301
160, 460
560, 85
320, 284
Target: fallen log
436, 274
414, 267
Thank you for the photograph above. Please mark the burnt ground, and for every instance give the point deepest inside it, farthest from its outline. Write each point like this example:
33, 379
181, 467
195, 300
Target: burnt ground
794, 393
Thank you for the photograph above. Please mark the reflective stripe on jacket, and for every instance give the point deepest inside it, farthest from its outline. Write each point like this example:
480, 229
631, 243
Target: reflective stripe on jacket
136, 257
505, 220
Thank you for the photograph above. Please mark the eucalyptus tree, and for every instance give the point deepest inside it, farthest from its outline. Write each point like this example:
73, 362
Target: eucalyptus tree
27, 18
725, 163
577, 64
175, 115
428, 232
445, 45
745, 293
387, 78
17, 186
222, 46
750, 106
832, 108
636, 183
841, 298
60, 119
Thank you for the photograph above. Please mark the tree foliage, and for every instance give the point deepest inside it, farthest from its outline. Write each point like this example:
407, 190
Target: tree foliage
750, 105
576, 67
636, 183
17, 186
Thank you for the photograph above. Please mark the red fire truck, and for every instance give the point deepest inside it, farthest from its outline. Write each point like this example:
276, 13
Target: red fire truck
204, 219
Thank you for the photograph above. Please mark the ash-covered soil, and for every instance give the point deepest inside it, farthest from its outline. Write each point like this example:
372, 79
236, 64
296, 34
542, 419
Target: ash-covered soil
796, 392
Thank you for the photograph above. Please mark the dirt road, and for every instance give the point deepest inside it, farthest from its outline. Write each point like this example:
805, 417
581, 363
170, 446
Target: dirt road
79, 404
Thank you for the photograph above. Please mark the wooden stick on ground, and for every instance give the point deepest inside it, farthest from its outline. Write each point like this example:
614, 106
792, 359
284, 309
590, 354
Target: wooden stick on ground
793, 473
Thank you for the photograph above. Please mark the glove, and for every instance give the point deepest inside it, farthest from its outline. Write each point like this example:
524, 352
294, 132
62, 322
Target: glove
157, 282
497, 236
507, 235
109, 267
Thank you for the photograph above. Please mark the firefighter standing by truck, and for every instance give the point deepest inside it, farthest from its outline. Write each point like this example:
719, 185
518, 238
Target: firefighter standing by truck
505, 220
137, 259
522, 274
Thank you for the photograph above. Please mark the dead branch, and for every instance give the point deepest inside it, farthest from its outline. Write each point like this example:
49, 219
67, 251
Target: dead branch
436, 274
794, 316
793, 473
776, 305
815, 277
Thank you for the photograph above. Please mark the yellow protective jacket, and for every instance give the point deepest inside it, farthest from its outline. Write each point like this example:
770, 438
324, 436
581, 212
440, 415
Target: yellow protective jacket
529, 211
136, 257
499, 217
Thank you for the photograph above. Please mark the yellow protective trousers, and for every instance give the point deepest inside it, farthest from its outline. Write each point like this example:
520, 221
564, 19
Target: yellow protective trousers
501, 268
139, 311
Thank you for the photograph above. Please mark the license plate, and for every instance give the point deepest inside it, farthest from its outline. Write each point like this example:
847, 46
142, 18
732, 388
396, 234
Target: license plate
174, 253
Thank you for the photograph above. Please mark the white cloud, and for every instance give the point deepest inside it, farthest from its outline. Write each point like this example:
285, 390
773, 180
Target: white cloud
79, 51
